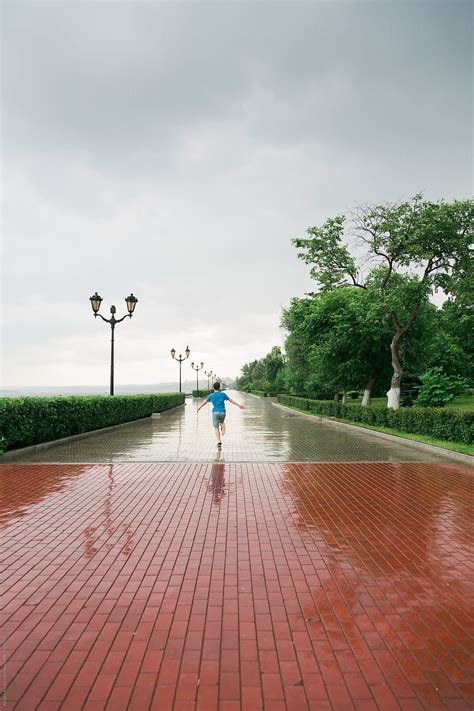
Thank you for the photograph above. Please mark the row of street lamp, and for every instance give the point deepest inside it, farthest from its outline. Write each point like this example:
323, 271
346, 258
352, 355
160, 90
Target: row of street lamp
131, 302
194, 366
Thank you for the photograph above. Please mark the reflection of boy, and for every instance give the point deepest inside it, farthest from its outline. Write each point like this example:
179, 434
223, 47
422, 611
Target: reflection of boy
218, 399
217, 483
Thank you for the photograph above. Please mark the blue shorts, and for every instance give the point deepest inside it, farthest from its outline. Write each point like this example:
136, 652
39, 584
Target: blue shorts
217, 418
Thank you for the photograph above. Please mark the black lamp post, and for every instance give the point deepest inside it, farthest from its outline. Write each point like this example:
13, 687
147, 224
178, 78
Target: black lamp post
180, 360
96, 301
197, 368
209, 377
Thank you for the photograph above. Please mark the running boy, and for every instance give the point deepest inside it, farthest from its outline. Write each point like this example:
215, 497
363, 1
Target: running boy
217, 398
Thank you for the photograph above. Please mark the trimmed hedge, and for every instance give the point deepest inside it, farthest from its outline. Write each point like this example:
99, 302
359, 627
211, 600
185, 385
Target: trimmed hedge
30, 420
202, 393
252, 391
440, 423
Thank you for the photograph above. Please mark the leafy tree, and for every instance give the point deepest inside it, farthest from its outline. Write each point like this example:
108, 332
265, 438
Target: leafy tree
452, 347
258, 374
273, 365
299, 378
295, 346
426, 243
247, 373
266, 374
341, 335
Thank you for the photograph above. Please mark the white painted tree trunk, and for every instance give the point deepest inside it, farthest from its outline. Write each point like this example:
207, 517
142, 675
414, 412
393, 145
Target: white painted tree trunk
344, 398
367, 399
393, 396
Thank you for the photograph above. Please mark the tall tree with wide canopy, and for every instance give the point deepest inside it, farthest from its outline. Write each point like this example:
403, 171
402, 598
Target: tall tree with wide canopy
428, 244
343, 334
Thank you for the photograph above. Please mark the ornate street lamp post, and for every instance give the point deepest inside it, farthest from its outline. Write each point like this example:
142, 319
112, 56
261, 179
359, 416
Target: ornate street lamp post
197, 368
96, 301
209, 377
180, 360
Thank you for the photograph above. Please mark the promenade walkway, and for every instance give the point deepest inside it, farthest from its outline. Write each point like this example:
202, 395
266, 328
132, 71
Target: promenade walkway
263, 433
301, 568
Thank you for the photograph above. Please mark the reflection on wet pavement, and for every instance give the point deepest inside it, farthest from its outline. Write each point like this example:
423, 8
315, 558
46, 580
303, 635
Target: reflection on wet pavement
261, 433
268, 585
217, 482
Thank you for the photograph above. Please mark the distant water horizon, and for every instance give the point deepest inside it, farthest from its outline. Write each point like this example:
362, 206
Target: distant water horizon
134, 389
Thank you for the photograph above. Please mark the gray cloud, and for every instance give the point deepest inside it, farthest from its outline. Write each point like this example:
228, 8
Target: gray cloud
174, 149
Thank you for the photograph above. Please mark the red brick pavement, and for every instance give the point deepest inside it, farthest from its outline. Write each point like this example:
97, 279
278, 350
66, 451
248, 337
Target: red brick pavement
237, 587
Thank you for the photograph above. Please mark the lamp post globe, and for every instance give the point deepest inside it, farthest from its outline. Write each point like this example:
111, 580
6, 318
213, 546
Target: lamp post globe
131, 302
96, 301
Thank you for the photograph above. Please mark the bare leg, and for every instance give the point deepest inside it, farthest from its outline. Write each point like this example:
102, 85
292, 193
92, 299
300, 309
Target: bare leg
217, 433
223, 428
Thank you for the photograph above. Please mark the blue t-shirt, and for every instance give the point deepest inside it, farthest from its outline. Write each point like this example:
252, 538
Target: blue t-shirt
218, 399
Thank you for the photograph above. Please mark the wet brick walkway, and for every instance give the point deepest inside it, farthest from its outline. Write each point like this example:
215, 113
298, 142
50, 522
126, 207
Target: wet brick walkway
260, 433
237, 587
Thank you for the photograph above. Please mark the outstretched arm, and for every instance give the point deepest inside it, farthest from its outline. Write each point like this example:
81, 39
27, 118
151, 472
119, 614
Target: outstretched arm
202, 404
236, 403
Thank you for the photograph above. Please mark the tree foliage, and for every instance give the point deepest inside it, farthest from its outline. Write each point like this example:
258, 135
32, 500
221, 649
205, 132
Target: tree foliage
340, 336
266, 374
414, 248
372, 318
438, 388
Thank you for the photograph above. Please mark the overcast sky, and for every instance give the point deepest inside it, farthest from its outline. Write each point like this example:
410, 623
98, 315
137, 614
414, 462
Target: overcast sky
174, 149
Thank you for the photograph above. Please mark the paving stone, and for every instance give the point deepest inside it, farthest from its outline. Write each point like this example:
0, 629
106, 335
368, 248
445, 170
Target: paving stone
237, 585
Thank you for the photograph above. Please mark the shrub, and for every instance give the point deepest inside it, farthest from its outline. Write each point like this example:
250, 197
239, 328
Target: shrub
441, 423
31, 420
202, 393
165, 401
438, 389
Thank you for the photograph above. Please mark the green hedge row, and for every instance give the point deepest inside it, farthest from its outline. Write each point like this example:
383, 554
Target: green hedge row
30, 420
202, 393
440, 423
252, 391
